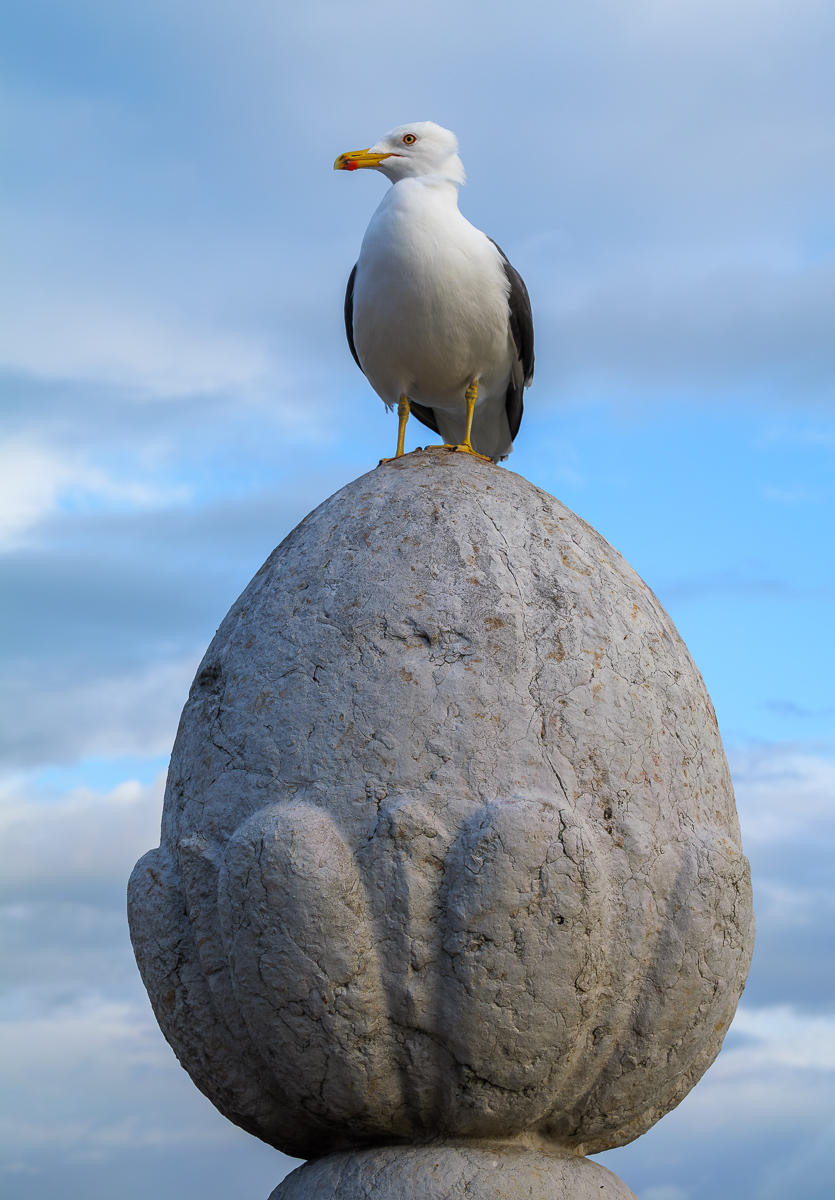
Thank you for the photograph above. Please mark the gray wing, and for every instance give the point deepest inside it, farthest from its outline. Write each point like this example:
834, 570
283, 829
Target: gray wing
520, 319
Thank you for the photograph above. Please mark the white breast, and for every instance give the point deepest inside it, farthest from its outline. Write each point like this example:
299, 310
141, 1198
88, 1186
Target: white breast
430, 301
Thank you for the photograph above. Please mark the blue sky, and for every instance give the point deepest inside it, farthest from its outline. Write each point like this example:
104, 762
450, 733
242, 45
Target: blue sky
177, 394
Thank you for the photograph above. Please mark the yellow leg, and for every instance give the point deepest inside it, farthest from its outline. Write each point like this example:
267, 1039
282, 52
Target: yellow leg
403, 411
402, 417
471, 396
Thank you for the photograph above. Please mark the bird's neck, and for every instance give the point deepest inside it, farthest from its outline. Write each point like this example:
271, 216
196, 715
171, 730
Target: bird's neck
441, 190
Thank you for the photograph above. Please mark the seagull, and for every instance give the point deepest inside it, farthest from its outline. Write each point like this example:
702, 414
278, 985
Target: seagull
436, 317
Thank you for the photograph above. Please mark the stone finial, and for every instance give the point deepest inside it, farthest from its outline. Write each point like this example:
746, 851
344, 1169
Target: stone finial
450, 871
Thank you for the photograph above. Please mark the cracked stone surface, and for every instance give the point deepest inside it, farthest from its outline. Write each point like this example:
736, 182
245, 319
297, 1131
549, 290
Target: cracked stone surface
438, 1172
449, 846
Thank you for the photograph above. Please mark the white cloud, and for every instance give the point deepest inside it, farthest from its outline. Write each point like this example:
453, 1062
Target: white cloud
93, 1093
95, 1077
36, 478
65, 719
790, 903
87, 1076
781, 1036
31, 479
47, 847
91, 293
60, 333
784, 794
721, 327
86, 1071
781, 1078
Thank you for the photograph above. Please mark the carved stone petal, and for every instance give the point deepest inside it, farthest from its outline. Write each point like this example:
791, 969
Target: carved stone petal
305, 968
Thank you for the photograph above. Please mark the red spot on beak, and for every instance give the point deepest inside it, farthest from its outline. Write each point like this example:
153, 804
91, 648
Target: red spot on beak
352, 166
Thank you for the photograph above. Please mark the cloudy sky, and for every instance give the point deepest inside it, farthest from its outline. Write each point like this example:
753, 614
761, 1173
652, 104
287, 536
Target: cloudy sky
177, 394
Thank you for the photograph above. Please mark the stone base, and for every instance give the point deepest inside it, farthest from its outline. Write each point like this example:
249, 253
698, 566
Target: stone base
443, 1172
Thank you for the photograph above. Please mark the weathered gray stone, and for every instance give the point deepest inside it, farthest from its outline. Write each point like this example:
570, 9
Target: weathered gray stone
478, 1172
449, 845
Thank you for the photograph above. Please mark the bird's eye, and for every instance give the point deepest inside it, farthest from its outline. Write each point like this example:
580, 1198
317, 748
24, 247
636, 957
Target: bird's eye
409, 139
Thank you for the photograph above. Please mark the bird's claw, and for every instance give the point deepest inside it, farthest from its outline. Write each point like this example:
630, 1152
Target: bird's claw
396, 456
469, 450
463, 448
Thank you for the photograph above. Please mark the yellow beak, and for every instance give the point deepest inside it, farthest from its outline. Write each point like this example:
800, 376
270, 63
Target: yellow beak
353, 159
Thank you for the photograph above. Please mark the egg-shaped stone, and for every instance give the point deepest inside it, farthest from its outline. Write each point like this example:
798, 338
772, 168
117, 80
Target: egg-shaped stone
449, 846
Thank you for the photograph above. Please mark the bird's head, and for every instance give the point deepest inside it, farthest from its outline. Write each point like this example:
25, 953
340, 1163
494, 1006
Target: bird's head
408, 152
